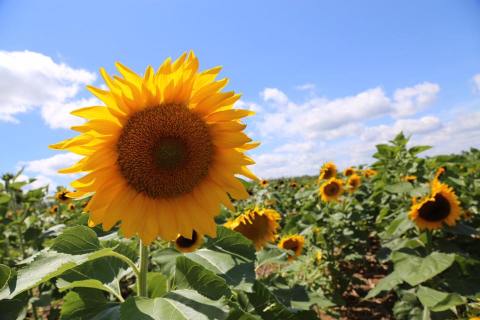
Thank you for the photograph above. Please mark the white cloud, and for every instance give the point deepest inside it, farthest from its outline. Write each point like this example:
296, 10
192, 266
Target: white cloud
409, 101
49, 166
306, 87
57, 114
346, 129
31, 80
274, 95
241, 104
476, 83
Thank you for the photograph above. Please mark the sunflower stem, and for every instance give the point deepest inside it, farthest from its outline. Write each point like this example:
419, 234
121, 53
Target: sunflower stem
142, 278
428, 245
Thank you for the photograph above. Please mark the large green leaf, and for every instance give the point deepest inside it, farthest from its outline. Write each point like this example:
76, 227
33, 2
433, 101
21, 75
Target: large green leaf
15, 309
176, 305
438, 301
4, 198
76, 240
47, 265
232, 242
88, 304
415, 270
190, 274
156, 284
418, 149
386, 284
401, 187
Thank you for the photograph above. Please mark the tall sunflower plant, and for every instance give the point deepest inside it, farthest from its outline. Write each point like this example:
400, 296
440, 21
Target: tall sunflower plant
428, 241
160, 158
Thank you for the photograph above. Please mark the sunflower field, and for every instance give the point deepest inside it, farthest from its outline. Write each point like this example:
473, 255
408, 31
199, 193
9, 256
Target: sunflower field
161, 226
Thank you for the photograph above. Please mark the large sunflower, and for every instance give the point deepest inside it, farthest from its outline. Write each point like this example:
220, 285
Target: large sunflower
190, 244
329, 170
258, 225
163, 152
294, 243
441, 206
353, 182
331, 190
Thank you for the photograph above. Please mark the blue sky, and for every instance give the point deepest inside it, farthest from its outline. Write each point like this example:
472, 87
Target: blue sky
371, 67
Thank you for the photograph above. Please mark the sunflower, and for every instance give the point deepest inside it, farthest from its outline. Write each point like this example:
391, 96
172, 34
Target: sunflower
294, 243
293, 184
331, 190
258, 225
369, 173
162, 153
349, 171
53, 209
61, 196
264, 183
71, 206
329, 170
410, 179
190, 244
353, 182
441, 206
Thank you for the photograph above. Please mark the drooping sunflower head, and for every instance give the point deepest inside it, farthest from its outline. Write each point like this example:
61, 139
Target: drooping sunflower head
53, 209
331, 190
189, 244
441, 206
264, 183
348, 171
410, 178
328, 170
163, 152
367, 173
258, 225
61, 196
294, 243
353, 182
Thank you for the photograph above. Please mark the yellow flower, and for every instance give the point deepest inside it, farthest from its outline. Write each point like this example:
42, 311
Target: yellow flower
163, 152
293, 184
353, 182
184, 244
329, 170
264, 183
331, 190
53, 209
258, 225
71, 207
294, 243
409, 178
61, 196
318, 256
369, 173
270, 202
441, 206
349, 171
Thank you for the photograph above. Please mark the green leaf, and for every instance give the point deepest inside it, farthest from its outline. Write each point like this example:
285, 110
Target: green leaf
386, 284
15, 309
4, 198
268, 306
190, 274
88, 304
156, 284
401, 187
76, 240
418, 149
415, 270
232, 242
176, 305
47, 265
399, 225
5, 273
91, 283
438, 301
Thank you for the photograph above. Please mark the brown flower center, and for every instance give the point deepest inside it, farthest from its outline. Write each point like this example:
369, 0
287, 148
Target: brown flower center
183, 242
435, 210
332, 189
164, 151
291, 244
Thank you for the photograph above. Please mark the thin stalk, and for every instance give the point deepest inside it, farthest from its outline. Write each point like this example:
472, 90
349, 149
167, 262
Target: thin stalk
428, 245
142, 279
125, 259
